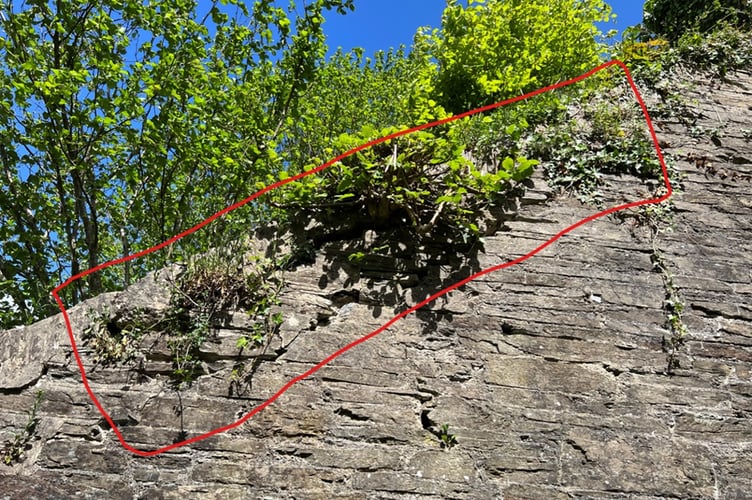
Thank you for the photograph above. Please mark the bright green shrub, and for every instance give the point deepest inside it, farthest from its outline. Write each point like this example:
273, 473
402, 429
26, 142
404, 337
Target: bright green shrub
420, 180
641, 52
494, 49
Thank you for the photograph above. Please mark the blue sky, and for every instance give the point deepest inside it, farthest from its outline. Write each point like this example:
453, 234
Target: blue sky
381, 24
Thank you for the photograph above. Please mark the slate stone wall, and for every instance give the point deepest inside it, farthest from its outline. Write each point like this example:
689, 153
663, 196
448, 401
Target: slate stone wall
552, 375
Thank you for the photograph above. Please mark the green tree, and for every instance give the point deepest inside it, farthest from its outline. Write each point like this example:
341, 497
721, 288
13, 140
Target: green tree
352, 92
124, 123
421, 180
495, 49
672, 19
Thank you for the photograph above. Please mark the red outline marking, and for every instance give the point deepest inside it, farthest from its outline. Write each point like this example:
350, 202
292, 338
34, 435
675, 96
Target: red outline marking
402, 314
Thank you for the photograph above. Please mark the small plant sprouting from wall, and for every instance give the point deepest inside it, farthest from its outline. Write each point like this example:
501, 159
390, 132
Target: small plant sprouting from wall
184, 344
448, 440
674, 307
112, 341
17, 447
263, 284
657, 218
211, 287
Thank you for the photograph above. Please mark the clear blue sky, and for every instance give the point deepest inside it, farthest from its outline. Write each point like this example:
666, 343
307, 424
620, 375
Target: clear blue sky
381, 24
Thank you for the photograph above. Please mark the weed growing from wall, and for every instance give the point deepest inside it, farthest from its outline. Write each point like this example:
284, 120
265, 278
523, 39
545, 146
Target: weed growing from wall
21, 442
674, 307
214, 284
448, 440
113, 342
601, 132
211, 287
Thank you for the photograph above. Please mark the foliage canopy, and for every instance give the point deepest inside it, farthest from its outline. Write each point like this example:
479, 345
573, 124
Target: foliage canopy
494, 49
124, 123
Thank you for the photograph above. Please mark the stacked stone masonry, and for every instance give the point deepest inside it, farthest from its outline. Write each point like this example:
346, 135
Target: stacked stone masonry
552, 374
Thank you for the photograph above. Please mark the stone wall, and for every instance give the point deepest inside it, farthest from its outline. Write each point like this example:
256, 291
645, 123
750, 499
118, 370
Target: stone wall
553, 375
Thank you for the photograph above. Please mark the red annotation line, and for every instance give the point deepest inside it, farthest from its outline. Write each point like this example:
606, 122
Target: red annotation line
396, 318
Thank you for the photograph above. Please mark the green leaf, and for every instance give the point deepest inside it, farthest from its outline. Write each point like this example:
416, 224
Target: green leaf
508, 164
